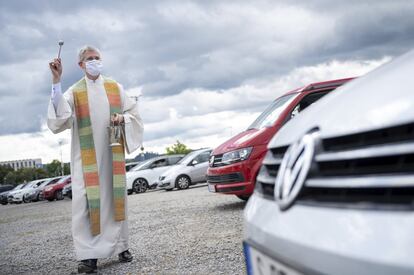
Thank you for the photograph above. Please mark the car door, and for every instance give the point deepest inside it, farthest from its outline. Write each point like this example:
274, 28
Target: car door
156, 169
199, 167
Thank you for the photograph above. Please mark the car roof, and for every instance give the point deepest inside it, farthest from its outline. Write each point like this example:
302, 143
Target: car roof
330, 84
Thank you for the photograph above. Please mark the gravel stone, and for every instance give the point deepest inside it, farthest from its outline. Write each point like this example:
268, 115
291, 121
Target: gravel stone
178, 232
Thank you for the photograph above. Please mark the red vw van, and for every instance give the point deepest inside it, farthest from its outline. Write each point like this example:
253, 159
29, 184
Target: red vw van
235, 164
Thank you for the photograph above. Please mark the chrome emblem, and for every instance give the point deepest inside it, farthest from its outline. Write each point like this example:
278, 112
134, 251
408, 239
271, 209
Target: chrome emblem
293, 170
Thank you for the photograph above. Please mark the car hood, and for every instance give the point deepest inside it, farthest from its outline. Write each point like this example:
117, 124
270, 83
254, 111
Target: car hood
380, 99
250, 137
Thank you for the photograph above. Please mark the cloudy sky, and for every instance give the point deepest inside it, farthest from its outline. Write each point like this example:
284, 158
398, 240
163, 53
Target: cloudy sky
205, 69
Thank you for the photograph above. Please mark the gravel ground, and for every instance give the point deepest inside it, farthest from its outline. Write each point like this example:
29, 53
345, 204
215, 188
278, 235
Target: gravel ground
179, 232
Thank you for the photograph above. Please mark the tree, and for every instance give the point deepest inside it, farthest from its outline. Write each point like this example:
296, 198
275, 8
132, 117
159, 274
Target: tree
178, 148
4, 170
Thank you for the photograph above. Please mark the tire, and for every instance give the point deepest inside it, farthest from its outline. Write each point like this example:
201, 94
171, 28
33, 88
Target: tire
25, 200
140, 185
59, 195
243, 198
183, 182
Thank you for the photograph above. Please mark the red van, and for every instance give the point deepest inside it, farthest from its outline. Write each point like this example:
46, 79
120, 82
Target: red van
235, 164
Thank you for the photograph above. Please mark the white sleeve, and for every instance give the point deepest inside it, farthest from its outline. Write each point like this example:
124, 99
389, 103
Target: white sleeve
56, 94
134, 126
60, 114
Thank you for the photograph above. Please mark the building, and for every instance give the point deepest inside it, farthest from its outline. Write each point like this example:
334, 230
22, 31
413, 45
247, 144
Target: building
24, 163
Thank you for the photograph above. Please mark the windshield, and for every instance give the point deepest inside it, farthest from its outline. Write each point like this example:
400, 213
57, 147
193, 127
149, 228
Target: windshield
188, 157
62, 180
272, 113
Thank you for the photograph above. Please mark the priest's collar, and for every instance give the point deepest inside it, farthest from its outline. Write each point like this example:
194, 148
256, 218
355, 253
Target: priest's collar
99, 80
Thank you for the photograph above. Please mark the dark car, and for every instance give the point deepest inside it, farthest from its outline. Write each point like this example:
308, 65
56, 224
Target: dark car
7, 187
67, 191
4, 194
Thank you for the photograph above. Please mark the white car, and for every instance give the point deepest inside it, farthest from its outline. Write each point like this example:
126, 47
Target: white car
190, 170
18, 196
145, 175
335, 193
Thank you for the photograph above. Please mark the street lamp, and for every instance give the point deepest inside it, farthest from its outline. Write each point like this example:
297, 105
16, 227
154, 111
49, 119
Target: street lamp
61, 157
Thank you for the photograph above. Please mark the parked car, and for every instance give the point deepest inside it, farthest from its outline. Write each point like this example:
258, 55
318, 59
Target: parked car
235, 164
130, 165
189, 170
336, 190
145, 175
6, 187
37, 193
4, 195
20, 195
54, 191
67, 190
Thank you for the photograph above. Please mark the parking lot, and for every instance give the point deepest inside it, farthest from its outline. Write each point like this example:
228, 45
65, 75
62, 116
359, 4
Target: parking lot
178, 232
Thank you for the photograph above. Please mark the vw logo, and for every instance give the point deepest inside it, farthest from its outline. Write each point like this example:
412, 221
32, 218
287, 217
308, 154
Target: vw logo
293, 170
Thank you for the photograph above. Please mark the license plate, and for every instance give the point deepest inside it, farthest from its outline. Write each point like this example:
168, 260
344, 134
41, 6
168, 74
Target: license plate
211, 188
258, 263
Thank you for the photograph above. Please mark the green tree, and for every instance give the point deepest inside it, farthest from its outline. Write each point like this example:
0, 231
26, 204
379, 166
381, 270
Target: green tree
4, 170
53, 169
178, 148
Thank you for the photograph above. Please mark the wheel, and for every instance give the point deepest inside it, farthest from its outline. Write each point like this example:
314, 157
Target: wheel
59, 195
183, 182
244, 198
25, 200
140, 185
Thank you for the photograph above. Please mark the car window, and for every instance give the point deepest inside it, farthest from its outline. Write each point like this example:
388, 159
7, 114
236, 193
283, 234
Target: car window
306, 102
174, 160
159, 163
203, 157
272, 113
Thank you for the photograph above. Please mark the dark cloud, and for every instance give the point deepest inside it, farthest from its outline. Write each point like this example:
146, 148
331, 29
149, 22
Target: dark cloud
167, 47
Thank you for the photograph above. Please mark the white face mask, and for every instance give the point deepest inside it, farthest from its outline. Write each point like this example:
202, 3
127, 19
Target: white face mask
93, 67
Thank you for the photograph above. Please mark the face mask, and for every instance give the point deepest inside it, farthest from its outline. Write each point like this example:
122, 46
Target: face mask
93, 67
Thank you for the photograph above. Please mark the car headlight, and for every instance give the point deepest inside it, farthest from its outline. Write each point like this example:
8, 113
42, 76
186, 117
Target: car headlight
236, 155
161, 178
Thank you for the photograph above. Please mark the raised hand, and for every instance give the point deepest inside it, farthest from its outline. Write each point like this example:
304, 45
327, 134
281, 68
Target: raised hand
56, 68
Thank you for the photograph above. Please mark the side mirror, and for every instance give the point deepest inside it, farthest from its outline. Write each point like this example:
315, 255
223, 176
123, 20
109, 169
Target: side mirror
194, 162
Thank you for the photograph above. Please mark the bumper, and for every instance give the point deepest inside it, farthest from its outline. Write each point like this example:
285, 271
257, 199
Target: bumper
233, 179
14, 198
164, 184
48, 194
331, 240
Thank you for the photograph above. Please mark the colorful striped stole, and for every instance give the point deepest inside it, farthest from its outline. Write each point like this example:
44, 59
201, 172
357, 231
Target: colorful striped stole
88, 154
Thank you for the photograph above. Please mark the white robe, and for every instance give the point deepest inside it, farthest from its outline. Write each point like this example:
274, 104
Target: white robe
113, 238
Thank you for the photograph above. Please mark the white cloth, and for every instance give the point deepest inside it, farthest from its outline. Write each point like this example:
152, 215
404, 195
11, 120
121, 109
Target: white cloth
113, 238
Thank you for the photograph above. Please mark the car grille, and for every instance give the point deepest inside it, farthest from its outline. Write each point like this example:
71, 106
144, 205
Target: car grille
225, 178
369, 169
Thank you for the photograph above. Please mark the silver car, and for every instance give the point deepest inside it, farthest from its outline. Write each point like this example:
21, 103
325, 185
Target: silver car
335, 194
190, 170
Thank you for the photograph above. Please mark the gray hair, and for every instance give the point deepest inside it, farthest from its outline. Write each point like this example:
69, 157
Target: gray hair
84, 49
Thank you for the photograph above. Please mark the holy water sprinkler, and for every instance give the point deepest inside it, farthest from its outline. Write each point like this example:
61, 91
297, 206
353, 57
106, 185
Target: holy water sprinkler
60, 47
